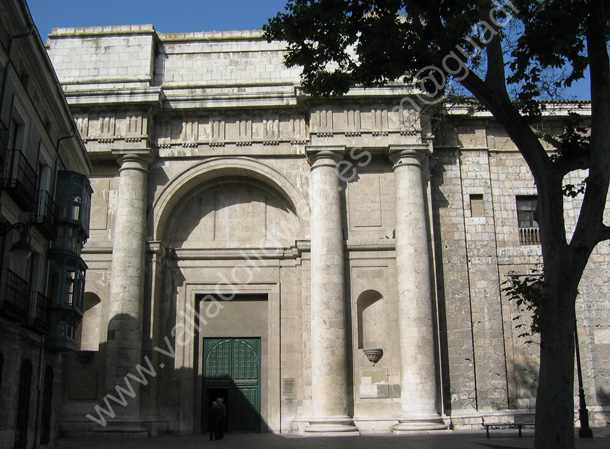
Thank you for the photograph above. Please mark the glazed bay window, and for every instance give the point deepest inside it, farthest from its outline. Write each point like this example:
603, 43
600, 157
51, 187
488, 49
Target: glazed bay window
67, 277
67, 292
74, 200
529, 232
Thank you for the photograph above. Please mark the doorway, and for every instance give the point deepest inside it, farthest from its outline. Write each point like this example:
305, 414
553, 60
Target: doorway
232, 371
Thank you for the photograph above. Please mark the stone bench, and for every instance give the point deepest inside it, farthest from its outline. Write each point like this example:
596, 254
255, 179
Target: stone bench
519, 424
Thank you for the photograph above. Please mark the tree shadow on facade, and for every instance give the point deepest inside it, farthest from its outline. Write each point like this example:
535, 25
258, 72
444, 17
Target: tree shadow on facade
603, 400
161, 387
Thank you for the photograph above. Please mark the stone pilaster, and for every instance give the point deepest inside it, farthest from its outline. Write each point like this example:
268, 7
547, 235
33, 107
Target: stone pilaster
124, 345
414, 283
328, 309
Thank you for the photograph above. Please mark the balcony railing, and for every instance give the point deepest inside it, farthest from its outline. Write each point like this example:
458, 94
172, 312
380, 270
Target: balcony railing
3, 136
40, 313
46, 216
529, 236
19, 179
3, 145
14, 296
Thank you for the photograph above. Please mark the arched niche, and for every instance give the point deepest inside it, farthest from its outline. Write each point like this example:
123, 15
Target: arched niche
88, 333
232, 212
372, 320
191, 180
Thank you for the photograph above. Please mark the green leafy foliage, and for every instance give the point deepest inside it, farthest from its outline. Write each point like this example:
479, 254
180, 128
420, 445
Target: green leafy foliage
342, 43
574, 142
553, 37
526, 292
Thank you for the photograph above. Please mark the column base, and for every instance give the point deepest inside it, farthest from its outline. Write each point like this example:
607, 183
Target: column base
331, 427
420, 424
120, 430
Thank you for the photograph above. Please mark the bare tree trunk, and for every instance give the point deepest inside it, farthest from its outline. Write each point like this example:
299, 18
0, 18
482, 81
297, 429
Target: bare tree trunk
555, 398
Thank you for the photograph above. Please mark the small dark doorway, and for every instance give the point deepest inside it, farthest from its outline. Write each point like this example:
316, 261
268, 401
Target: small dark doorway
23, 405
47, 400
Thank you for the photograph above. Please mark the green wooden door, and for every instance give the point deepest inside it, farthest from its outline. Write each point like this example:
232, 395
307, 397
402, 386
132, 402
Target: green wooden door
232, 365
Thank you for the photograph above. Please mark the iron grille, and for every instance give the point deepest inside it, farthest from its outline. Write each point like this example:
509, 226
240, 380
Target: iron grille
46, 216
3, 136
19, 179
3, 146
40, 313
15, 296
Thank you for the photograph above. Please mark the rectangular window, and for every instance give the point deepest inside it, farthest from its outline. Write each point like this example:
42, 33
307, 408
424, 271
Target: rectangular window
477, 206
529, 233
16, 135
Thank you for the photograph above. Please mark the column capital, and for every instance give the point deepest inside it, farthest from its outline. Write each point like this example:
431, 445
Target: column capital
408, 154
319, 155
134, 159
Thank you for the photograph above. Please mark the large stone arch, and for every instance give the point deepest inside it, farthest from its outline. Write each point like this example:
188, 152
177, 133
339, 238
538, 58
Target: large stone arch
216, 168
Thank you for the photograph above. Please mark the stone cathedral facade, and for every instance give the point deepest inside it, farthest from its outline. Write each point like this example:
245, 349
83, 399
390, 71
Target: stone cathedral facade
327, 265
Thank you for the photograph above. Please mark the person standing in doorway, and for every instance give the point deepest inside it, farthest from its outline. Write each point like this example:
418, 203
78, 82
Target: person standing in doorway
213, 420
223, 418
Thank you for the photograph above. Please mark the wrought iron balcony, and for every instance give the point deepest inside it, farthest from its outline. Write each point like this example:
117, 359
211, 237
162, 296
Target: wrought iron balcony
46, 215
3, 136
3, 146
40, 313
529, 236
14, 297
19, 178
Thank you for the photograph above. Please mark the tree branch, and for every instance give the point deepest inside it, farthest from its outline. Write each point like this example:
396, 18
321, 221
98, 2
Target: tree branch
594, 203
516, 126
495, 77
604, 233
566, 165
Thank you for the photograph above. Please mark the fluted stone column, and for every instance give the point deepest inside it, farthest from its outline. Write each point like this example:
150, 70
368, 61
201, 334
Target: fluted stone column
328, 309
415, 307
124, 343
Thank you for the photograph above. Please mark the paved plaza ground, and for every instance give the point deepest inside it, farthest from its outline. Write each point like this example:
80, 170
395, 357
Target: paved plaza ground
450, 440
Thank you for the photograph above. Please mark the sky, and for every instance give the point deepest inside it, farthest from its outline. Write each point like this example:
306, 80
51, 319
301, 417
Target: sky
176, 16
168, 16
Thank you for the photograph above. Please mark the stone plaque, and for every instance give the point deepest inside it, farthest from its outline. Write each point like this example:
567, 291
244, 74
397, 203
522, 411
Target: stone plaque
288, 387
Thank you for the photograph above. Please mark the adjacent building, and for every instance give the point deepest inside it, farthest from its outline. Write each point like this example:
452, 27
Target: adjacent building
327, 265
44, 220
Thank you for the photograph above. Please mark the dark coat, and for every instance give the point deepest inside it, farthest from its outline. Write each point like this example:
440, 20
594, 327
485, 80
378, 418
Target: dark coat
214, 416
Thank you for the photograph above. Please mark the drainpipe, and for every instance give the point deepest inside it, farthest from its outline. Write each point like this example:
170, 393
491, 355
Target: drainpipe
57, 149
